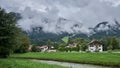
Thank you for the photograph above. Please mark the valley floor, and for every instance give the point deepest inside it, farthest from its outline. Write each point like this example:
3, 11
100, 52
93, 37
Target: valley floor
19, 63
104, 59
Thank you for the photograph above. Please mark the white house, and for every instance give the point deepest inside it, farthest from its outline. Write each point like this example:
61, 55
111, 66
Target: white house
95, 46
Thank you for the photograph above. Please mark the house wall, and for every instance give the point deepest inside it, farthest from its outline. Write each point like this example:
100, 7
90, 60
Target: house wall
101, 48
92, 49
44, 49
52, 51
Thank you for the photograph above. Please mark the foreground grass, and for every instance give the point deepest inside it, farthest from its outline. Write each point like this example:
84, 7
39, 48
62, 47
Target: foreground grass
107, 59
16, 63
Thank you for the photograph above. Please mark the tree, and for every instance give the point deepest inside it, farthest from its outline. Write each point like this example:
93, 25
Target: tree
110, 43
105, 43
83, 46
78, 48
49, 44
24, 44
55, 45
82, 43
109, 47
7, 33
62, 47
115, 43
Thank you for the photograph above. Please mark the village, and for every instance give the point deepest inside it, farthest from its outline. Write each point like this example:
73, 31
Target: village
93, 46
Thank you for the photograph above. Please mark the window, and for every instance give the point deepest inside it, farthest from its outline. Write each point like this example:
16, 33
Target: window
99, 48
99, 45
91, 49
91, 45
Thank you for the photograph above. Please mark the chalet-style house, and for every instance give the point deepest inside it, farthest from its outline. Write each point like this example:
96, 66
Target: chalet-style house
72, 45
95, 46
43, 48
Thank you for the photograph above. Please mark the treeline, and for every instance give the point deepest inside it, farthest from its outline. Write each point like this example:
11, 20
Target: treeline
81, 45
12, 39
109, 43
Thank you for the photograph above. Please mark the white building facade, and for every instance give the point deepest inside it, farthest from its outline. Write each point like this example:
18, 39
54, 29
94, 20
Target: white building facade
95, 46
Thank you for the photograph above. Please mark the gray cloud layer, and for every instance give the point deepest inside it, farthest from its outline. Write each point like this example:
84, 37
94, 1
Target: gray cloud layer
47, 13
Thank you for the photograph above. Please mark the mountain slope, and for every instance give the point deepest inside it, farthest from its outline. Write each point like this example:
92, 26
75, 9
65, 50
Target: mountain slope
105, 29
39, 36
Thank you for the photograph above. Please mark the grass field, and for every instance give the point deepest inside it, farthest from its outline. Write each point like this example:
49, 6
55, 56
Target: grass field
107, 59
17, 63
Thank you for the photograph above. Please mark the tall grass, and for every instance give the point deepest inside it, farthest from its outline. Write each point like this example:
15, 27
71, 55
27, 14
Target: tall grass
16, 63
108, 59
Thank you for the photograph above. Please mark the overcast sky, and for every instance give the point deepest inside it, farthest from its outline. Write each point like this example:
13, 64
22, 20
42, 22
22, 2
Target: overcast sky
85, 13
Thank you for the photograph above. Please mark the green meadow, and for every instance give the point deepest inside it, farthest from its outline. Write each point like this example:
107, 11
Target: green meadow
106, 59
19, 63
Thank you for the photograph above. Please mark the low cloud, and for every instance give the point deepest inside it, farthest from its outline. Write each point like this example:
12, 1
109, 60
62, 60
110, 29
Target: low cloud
58, 16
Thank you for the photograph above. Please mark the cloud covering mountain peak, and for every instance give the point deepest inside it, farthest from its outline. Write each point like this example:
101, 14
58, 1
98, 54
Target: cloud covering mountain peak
58, 16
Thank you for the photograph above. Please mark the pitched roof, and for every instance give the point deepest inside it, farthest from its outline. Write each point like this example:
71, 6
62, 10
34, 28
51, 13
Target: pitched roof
45, 46
94, 42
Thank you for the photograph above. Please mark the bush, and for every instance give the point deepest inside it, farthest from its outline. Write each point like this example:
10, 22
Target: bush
4, 52
35, 49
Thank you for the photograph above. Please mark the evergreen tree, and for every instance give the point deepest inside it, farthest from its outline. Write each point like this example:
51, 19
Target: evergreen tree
49, 44
8, 32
